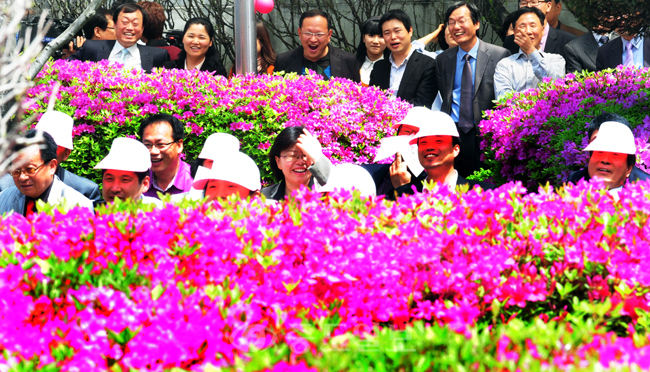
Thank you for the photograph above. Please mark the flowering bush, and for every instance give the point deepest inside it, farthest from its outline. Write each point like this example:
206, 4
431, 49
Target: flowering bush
107, 102
440, 281
537, 136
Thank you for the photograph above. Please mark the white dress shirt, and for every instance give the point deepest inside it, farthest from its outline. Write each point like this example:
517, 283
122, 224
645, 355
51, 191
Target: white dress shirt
521, 72
132, 60
198, 67
366, 69
397, 72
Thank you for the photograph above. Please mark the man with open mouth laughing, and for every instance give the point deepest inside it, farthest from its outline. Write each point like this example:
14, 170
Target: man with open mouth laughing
316, 54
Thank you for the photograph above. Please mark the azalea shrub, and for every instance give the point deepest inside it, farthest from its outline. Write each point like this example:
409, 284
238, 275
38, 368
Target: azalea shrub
106, 102
537, 136
478, 280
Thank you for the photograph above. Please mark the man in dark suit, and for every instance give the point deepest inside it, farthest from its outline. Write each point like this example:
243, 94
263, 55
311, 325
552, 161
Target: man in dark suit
462, 19
315, 53
616, 52
409, 74
130, 21
592, 133
580, 53
553, 40
59, 126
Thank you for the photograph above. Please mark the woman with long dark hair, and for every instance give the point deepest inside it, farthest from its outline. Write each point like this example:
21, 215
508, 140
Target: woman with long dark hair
265, 52
296, 160
199, 52
371, 49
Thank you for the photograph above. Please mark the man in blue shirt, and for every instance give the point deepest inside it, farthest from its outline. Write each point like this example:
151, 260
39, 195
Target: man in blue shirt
627, 50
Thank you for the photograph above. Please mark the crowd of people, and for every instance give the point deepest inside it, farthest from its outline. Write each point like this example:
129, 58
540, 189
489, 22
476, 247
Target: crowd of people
437, 142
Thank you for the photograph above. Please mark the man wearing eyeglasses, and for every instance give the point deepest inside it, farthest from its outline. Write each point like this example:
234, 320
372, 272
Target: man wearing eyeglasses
34, 175
163, 135
553, 40
316, 54
130, 21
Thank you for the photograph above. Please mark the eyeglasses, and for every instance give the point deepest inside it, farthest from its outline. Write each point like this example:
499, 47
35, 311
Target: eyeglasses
461, 22
112, 28
28, 171
308, 35
531, 3
293, 157
159, 146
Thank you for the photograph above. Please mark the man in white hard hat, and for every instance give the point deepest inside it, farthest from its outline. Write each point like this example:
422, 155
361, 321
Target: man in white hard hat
125, 172
388, 177
236, 175
438, 146
59, 126
215, 146
612, 155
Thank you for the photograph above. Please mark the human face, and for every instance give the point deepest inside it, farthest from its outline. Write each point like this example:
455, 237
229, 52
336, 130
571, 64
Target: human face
196, 41
375, 46
33, 186
554, 12
128, 29
62, 154
529, 24
544, 6
166, 160
314, 37
259, 47
611, 167
123, 185
208, 163
406, 130
396, 36
294, 170
217, 189
108, 34
436, 151
462, 28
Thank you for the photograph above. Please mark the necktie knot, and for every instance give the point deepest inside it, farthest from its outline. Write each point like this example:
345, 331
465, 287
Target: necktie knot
467, 57
125, 53
629, 45
604, 40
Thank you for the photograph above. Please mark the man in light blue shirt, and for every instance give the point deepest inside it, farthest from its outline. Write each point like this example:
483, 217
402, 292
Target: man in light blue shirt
526, 69
627, 50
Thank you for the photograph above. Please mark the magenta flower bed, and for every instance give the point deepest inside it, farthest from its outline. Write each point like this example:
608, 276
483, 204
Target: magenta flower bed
106, 102
538, 136
484, 280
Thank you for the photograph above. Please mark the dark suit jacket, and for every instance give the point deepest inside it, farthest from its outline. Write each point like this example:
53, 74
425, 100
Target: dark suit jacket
418, 183
418, 85
580, 54
211, 64
486, 61
342, 63
85, 186
610, 55
583, 174
98, 50
555, 42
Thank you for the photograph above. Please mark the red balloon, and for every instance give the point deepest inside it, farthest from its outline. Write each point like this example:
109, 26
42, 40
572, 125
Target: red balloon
264, 6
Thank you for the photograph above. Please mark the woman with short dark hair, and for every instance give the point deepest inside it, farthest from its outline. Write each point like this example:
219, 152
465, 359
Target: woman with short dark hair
296, 159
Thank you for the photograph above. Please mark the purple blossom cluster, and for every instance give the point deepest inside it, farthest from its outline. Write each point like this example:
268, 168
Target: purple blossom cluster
537, 136
191, 287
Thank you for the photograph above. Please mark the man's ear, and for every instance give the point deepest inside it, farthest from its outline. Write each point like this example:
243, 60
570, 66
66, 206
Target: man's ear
96, 32
52, 166
146, 182
456, 150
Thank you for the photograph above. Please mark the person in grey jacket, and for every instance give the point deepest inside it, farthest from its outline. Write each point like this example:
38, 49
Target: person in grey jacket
296, 160
35, 179
59, 126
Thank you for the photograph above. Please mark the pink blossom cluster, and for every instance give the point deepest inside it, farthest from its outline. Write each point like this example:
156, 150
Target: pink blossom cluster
538, 135
190, 287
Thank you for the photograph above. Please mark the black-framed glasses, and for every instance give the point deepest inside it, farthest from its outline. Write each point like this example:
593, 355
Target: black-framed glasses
28, 171
159, 146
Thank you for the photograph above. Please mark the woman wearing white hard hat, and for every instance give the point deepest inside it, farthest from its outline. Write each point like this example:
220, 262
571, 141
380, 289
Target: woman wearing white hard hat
237, 176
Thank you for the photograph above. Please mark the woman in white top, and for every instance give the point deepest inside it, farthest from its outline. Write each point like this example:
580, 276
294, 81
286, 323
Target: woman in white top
371, 49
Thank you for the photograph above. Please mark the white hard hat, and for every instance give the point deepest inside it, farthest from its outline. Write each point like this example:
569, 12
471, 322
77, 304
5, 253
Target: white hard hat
415, 117
348, 177
237, 168
59, 126
613, 137
126, 154
219, 143
441, 124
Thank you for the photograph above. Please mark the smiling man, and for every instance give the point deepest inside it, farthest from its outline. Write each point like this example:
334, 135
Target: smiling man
605, 164
316, 53
466, 80
162, 135
526, 69
34, 175
406, 73
130, 21
438, 144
